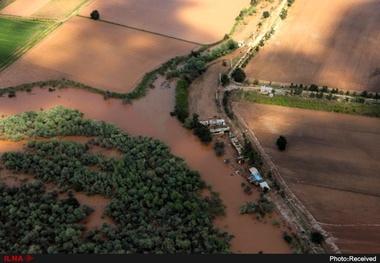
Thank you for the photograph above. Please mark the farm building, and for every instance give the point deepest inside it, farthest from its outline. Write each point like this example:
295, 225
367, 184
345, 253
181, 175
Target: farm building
216, 122
220, 130
254, 177
264, 89
264, 185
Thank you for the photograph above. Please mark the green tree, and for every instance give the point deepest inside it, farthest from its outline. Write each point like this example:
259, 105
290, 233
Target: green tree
238, 75
225, 80
95, 15
316, 237
281, 143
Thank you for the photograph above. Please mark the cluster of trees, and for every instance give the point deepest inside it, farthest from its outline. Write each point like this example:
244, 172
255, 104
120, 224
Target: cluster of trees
32, 220
226, 108
181, 109
225, 80
196, 62
219, 148
155, 201
251, 154
284, 13
261, 206
198, 129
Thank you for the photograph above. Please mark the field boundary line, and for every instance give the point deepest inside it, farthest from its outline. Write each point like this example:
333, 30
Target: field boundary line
145, 31
292, 202
29, 44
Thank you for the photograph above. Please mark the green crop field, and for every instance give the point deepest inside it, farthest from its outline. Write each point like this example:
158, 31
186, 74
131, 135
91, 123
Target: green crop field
18, 35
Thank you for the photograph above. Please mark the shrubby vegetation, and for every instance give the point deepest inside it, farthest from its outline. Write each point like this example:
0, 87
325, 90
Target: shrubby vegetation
261, 206
155, 200
181, 109
238, 75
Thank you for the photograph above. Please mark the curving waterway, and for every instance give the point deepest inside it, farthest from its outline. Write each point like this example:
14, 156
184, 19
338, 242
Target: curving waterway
150, 116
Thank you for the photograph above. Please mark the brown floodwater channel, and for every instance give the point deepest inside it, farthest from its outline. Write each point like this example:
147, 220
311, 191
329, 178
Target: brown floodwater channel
150, 116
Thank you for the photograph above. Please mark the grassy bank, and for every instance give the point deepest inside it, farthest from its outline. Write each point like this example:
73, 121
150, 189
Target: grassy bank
371, 110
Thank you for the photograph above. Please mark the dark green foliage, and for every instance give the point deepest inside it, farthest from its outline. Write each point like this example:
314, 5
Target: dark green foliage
290, 2
172, 74
261, 206
155, 200
287, 238
181, 109
284, 13
317, 237
225, 80
266, 14
238, 75
281, 143
219, 148
313, 87
200, 130
250, 153
226, 108
95, 15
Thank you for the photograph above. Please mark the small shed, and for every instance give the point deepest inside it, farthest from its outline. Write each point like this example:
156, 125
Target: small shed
264, 185
255, 177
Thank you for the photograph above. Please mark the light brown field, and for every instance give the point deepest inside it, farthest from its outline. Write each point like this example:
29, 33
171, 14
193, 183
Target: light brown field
50, 9
95, 53
324, 42
23, 7
58, 9
331, 164
201, 21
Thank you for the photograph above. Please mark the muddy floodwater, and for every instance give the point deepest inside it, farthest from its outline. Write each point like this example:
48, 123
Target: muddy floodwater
150, 116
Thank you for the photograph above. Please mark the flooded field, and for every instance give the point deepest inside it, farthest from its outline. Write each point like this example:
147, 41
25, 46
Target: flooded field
150, 116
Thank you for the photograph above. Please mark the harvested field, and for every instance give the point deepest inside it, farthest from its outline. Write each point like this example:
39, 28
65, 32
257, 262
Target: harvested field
98, 54
50, 9
331, 164
59, 9
24, 7
194, 20
333, 43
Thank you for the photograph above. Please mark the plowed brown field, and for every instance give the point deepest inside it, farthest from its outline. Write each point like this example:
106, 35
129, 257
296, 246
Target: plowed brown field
324, 42
201, 21
95, 53
331, 164
24, 7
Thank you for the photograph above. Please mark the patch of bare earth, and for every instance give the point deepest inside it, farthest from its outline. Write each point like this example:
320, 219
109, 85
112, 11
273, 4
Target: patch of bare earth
333, 43
24, 7
330, 164
95, 53
194, 20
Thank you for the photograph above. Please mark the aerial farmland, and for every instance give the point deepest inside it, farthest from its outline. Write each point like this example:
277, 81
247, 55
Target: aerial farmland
134, 126
331, 43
